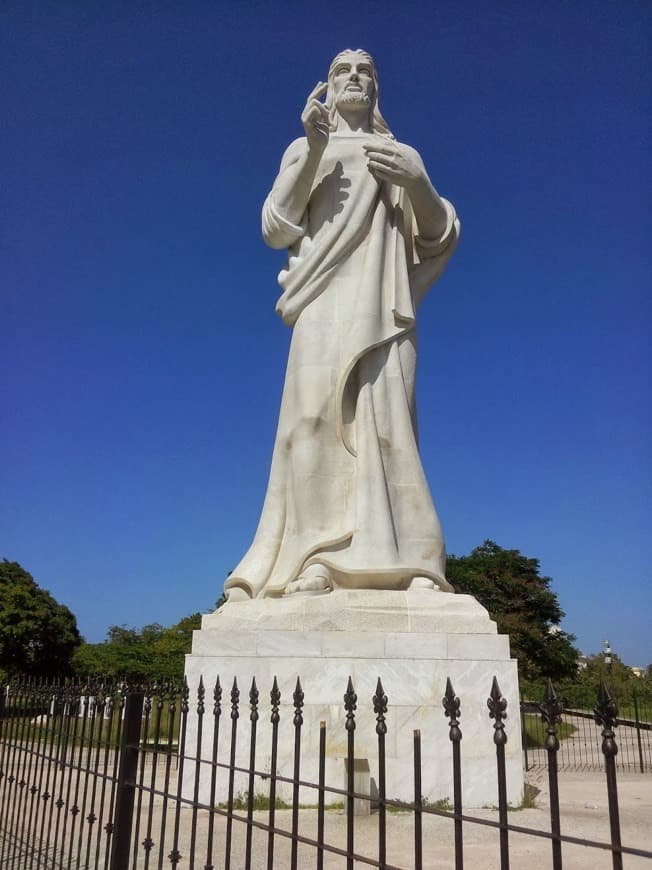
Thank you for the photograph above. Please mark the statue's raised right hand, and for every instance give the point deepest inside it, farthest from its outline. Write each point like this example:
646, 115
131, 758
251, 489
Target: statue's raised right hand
315, 118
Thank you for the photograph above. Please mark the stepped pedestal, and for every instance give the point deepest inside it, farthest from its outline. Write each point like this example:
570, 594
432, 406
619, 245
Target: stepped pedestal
412, 640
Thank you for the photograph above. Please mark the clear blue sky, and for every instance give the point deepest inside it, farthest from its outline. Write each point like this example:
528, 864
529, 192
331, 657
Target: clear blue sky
142, 359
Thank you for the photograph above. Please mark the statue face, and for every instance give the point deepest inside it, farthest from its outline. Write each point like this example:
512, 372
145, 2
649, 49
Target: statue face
353, 82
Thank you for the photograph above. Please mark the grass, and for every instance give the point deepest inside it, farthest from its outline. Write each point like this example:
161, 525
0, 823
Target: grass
534, 731
36, 726
442, 805
261, 802
528, 801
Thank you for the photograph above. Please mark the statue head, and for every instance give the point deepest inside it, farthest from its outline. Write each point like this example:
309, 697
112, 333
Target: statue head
368, 98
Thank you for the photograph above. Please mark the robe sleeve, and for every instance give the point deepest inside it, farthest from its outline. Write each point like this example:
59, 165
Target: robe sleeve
427, 248
278, 231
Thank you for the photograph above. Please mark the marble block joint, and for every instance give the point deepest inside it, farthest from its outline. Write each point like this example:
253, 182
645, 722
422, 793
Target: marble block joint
412, 640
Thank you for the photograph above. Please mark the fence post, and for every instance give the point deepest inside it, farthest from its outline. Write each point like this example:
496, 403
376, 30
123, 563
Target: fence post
638, 733
606, 715
524, 735
126, 785
451, 704
551, 709
497, 707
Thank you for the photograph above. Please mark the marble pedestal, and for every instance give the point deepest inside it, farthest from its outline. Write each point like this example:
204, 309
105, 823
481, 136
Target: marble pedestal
412, 640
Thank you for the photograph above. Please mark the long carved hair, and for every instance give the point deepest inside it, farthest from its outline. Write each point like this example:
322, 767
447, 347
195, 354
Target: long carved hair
377, 123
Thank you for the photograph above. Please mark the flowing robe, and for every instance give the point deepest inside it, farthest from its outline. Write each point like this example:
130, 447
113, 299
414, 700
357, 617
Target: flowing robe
346, 486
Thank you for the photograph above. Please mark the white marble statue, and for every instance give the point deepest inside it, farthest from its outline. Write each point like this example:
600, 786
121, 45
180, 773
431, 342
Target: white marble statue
347, 503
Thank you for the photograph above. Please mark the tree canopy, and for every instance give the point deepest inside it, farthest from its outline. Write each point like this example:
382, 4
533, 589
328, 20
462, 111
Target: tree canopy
37, 634
524, 606
150, 653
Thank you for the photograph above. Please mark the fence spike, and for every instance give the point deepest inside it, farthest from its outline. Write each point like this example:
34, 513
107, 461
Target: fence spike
235, 698
217, 697
380, 708
298, 703
350, 704
606, 715
497, 707
451, 705
275, 698
253, 700
551, 709
201, 695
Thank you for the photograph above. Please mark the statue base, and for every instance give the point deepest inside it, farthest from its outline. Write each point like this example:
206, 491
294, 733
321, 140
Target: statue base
412, 640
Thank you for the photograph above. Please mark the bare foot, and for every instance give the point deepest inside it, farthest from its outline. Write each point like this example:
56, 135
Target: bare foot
314, 579
422, 583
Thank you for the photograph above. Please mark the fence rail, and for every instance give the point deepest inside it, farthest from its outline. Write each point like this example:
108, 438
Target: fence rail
105, 776
580, 738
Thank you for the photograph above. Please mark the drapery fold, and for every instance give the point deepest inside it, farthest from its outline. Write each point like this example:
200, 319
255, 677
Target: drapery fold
346, 485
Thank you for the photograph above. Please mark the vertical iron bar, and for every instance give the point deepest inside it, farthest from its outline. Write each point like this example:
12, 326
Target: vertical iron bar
4, 727
172, 711
497, 707
92, 817
18, 783
298, 722
201, 709
73, 767
126, 785
217, 712
606, 715
235, 697
638, 733
551, 710
275, 699
524, 736
148, 843
40, 762
74, 810
147, 711
26, 767
175, 855
63, 763
451, 705
48, 794
418, 801
11, 781
350, 703
380, 709
90, 772
7, 778
109, 748
321, 795
253, 701
110, 825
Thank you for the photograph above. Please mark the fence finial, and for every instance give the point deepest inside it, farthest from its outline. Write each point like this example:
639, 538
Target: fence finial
606, 714
497, 707
551, 709
275, 699
298, 703
253, 700
235, 698
380, 708
217, 697
350, 704
451, 705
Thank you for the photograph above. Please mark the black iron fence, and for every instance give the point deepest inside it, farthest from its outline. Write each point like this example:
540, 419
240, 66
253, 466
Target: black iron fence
580, 739
99, 776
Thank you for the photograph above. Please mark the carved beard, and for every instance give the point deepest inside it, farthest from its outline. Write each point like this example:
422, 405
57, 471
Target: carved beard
353, 98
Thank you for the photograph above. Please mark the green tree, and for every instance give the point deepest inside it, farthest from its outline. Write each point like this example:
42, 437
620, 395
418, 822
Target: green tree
150, 653
37, 634
519, 598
